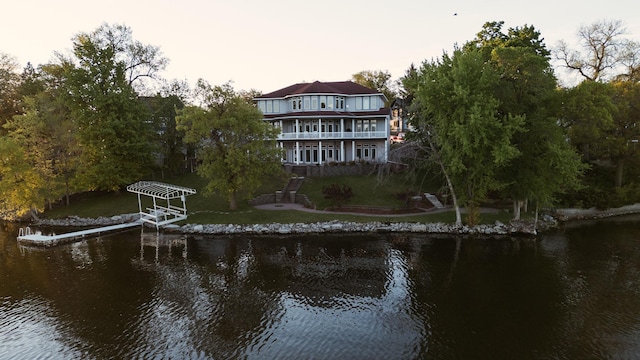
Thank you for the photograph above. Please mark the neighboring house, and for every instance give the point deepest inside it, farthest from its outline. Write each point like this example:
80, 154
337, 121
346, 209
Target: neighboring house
328, 122
399, 122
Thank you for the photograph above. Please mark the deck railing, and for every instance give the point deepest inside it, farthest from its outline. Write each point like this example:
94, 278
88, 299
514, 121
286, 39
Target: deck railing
333, 135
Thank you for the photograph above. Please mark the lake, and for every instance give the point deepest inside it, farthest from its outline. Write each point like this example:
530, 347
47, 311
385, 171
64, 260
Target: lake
573, 293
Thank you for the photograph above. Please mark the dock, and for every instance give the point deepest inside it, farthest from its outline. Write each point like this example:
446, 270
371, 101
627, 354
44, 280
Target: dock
26, 237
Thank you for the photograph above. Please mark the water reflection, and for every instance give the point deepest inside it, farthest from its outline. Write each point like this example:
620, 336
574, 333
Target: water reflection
570, 294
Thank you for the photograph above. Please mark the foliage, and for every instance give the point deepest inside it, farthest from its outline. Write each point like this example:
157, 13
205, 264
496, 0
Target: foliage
473, 139
237, 149
111, 123
9, 83
20, 184
169, 146
377, 80
338, 194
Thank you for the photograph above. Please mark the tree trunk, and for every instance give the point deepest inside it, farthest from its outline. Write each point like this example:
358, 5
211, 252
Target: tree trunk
516, 209
233, 202
454, 198
619, 172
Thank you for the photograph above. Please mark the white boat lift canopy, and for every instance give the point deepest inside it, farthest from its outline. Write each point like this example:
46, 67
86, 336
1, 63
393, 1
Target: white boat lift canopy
159, 215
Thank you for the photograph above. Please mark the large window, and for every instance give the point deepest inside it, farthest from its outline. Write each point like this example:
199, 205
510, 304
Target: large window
269, 106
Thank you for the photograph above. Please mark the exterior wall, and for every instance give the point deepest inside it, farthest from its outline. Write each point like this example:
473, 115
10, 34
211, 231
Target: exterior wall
327, 128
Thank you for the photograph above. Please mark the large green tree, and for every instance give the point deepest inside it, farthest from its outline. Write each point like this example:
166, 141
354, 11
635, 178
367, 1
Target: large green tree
112, 124
474, 141
236, 148
546, 164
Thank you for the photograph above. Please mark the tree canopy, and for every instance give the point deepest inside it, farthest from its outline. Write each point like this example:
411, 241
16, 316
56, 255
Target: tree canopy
236, 148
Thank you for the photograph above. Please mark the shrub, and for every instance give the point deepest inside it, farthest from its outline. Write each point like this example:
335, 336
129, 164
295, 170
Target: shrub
338, 194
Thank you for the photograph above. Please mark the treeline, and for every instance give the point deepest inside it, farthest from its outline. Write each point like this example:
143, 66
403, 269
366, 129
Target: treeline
79, 123
491, 117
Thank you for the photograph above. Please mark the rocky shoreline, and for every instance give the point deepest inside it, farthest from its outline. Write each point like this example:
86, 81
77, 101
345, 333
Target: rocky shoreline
525, 228
513, 228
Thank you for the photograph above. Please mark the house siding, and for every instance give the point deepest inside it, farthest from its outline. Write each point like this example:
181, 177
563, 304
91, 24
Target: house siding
353, 126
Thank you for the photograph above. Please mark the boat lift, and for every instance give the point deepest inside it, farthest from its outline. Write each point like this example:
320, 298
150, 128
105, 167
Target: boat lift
160, 215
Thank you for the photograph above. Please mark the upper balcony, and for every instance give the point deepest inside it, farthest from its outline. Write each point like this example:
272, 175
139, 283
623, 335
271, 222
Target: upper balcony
335, 135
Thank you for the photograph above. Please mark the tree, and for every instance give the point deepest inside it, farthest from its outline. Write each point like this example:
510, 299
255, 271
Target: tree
237, 149
602, 50
623, 137
376, 80
546, 164
169, 146
112, 123
473, 140
141, 62
20, 184
9, 83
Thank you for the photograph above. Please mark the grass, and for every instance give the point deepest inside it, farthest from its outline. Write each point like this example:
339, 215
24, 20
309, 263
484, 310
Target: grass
214, 209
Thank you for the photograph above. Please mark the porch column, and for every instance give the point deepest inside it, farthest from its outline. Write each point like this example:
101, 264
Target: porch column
319, 152
297, 129
343, 158
341, 128
319, 128
386, 150
353, 150
297, 154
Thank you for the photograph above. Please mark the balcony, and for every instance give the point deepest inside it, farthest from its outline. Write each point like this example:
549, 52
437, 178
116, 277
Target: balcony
346, 135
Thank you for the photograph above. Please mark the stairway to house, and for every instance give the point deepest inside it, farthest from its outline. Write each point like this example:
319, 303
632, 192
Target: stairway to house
293, 184
434, 200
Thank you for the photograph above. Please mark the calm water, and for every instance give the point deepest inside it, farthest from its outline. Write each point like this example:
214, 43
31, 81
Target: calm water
572, 294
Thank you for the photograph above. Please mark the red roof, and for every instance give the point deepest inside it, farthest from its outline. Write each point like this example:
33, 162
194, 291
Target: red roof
317, 87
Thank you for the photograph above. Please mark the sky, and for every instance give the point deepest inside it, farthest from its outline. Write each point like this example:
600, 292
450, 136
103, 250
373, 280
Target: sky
268, 45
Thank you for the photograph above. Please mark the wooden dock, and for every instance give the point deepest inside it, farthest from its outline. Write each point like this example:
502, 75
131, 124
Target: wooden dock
26, 237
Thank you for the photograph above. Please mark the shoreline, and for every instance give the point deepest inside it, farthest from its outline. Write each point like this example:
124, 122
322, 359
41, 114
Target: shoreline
513, 228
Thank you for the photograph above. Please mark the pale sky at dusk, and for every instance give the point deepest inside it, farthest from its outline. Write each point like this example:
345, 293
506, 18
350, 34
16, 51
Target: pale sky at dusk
267, 45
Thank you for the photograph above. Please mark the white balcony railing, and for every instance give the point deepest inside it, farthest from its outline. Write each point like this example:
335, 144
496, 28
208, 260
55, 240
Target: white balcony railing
333, 135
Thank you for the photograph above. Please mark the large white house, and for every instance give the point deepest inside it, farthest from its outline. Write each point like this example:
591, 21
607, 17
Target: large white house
328, 122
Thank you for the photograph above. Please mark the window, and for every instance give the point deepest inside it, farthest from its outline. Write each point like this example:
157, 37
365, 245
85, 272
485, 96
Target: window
365, 102
329, 102
314, 102
262, 106
339, 102
307, 102
276, 106
323, 102
295, 104
359, 103
269, 106
374, 103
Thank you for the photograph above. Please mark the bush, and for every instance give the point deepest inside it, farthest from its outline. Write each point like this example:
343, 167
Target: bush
338, 194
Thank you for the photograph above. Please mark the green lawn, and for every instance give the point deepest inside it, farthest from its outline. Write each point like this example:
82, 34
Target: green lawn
214, 209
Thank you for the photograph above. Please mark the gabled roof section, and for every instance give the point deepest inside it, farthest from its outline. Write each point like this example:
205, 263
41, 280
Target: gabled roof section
317, 87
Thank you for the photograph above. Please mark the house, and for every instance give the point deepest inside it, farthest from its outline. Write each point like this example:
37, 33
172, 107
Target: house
328, 122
